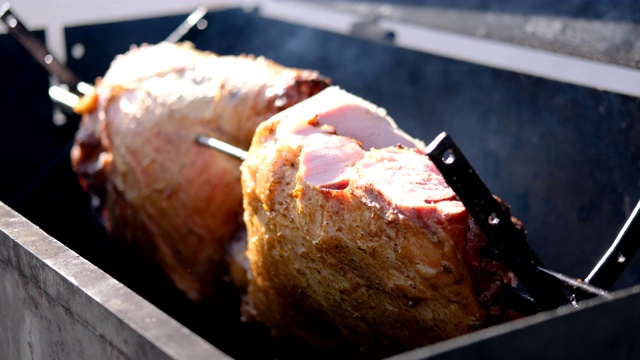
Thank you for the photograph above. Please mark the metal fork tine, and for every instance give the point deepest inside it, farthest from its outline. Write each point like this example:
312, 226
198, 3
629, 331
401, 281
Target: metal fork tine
495, 223
619, 255
37, 49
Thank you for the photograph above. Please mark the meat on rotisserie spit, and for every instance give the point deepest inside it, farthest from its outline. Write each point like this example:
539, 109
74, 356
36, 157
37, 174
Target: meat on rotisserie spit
175, 202
354, 236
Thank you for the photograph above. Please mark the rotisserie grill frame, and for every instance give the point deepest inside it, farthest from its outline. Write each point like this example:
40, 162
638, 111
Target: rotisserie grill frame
564, 156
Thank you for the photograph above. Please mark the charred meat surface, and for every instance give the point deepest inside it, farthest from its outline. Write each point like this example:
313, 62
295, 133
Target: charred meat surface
355, 238
174, 201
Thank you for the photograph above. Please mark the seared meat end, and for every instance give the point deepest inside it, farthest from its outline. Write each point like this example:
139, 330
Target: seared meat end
354, 239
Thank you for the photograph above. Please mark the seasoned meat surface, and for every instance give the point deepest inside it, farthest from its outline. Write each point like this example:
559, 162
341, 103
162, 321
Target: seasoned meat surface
175, 202
353, 235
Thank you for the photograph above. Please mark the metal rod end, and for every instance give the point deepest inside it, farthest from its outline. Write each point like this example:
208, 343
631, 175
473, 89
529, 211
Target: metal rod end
221, 146
434, 144
5, 7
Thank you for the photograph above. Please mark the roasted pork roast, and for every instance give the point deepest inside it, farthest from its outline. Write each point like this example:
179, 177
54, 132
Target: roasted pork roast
173, 201
355, 238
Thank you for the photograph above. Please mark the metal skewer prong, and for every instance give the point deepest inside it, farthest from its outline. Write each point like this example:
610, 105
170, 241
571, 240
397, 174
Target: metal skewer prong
619, 255
221, 146
186, 25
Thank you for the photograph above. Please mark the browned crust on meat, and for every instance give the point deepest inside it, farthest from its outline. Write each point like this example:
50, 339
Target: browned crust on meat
169, 199
86, 104
330, 269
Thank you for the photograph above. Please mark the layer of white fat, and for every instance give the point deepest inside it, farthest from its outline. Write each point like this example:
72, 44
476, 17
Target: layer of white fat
177, 77
352, 117
162, 78
147, 61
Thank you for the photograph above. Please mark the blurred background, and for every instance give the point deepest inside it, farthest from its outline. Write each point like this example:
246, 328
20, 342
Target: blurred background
542, 97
